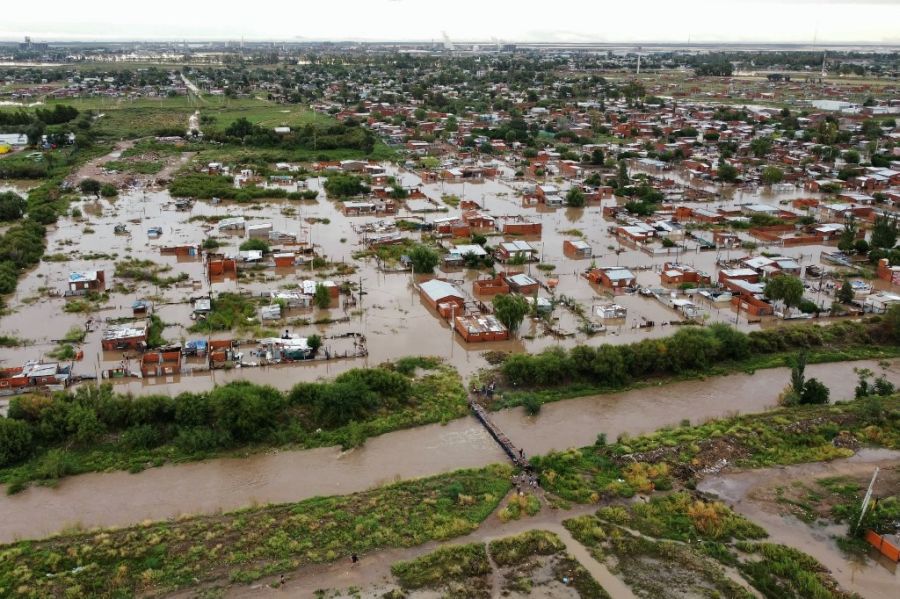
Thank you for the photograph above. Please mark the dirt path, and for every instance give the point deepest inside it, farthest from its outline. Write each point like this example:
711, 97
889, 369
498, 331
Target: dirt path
93, 169
373, 574
749, 493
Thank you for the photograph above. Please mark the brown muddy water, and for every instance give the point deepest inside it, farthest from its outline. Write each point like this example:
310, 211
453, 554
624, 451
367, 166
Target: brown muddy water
391, 315
872, 577
120, 499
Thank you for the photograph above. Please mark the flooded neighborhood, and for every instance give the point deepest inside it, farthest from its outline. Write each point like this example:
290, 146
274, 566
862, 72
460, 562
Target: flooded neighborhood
449, 319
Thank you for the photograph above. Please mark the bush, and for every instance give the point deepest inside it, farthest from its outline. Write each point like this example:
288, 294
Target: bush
15, 441
12, 206
423, 259
254, 244
108, 190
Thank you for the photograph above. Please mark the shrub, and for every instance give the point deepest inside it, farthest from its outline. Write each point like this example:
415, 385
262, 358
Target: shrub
15, 441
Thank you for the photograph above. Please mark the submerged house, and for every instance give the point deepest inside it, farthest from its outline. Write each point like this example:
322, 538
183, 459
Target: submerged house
131, 336
84, 282
480, 328
33, 375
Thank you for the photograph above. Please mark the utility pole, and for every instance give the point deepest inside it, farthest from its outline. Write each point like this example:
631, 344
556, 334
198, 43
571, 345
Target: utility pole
867, 498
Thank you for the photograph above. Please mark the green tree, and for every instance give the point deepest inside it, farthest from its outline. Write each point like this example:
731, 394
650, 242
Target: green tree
314, 342
622, 177
575, 198
851, 157
786, 288
254, 244
727, 172
90, 187
15, 441
814, 392
510, 310
322, 298
35, 132
12, 206
884, 232
423, 259
845, 293
771, 175
761, 146
244, 411
848, 235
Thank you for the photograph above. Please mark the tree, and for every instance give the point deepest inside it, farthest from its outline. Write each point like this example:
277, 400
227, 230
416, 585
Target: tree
845, 293
240, 127
15, 441
321, 297
398, 192
786, 288
622, 177
423, 259
771, 175
861, 246
35, 132
43, 214
798, 374
90, 187
851, 157
814, 392
761, 146
245, 411
727, 173
314, 342
254, 244
597, 156
12, 206
510, 310
848, 235
884, 232
575, 198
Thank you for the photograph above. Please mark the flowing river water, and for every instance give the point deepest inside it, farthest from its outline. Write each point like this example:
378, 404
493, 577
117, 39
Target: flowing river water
113, 499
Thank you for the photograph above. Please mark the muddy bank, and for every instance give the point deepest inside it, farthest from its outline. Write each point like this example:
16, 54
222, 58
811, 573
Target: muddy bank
120, 499
744, 492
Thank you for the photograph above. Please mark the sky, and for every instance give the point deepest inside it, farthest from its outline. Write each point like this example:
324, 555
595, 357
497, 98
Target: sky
803, 21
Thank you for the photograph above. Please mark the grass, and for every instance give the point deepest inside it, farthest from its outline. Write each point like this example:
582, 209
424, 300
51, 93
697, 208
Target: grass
528, 562
247, 544
681, 517
512, 551
780, 437
676, 554
147, 271
139, 167
519, 506
455, 562
786, 572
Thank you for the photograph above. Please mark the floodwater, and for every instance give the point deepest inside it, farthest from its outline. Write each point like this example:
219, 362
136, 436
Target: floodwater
391, 315
873, 578
119, 499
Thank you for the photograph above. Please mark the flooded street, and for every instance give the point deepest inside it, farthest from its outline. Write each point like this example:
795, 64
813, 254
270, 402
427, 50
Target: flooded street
391, 315
120, 499
872, 578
